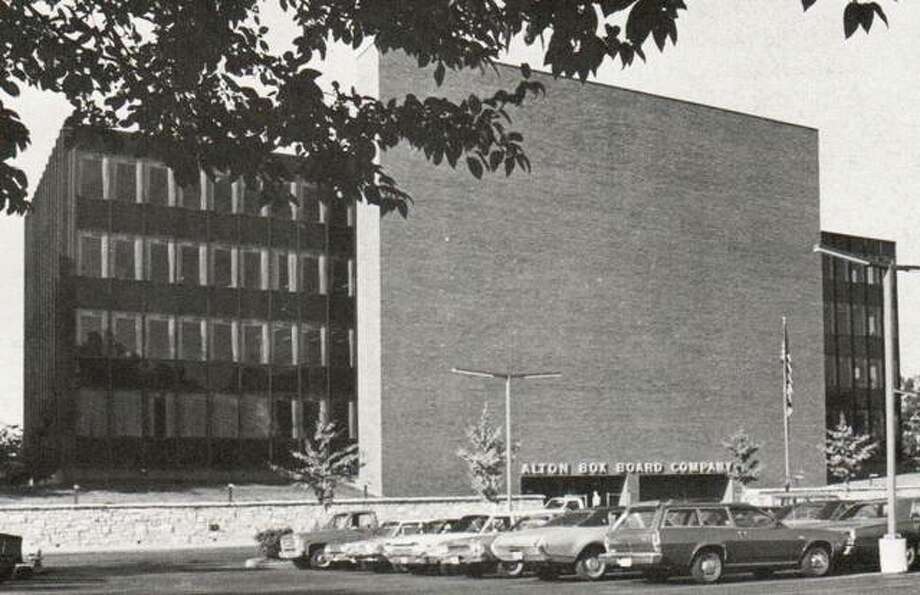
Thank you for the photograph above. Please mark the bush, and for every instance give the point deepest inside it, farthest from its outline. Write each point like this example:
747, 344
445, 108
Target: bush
270, 541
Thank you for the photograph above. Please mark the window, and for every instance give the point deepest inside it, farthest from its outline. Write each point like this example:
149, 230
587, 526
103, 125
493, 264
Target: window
713, 517
126, 335
159, 417
352, 420
857, 273
159, 337
311, 277
872, 276
874, 367
751, 517
342, 347
859, 320
122, 258
283, 336
830, 370
860, 377
284, 418
872, 321
225, 416
312, 349
189, 195
685, 517
127, 413
638, 519
159, 267
222, 194
223, 341
91, 255
193, 418
845, 366
189, 270
250, 200
281, 271
90, 172
843, 318
124, 181
92, 420
191, 339
341, 275
157, 185
223, 266
255, 417
253, 343
308, 206
91, 328
252, 269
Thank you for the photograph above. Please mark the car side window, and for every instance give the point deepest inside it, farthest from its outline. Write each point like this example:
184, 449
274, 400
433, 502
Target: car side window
749, 517
365, 520
681, 518
713, 517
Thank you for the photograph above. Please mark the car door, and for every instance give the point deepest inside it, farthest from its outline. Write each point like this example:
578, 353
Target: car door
715, 529
761, 540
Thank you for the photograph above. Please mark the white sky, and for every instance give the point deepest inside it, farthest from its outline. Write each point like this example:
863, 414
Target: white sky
761, 57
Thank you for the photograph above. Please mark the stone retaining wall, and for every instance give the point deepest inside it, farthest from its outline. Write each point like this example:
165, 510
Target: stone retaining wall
102, 527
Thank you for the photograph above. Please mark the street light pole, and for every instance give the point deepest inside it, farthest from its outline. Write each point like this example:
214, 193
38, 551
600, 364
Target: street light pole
894, 546
506, 376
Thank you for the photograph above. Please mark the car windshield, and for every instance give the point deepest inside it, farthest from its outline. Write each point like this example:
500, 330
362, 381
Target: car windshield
811, 511
641, 518
866, 510
469, 524
571, 519
339, 521
410, 528
529, 522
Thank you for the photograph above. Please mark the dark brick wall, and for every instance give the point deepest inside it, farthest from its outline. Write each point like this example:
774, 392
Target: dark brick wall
649, 257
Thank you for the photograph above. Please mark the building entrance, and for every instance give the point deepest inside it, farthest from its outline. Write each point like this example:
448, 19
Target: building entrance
682, 487
608, 487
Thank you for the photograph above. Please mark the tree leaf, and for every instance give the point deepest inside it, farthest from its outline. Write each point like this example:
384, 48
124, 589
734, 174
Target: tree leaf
439, 73
874, 6
475, 166
850, 19
806, 4
525, 70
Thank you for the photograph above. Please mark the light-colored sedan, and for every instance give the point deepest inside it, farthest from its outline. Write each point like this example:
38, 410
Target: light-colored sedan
368, 553
415, 552
572, 542
473, 554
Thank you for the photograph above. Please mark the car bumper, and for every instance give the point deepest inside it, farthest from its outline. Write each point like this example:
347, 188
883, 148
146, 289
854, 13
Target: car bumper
631, 560
461, 559
526, 557
411, 559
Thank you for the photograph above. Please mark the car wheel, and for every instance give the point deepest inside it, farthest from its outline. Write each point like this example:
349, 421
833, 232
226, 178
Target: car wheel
589, 565
816, 561
911, 556
706, 566
301, 563
547, 573
318, 559
511, 569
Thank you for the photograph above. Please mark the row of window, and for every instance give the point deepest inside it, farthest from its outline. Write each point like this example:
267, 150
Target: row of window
842, 270
104, 255
842, 318
853, 372
163, 337
140, 181
245, 416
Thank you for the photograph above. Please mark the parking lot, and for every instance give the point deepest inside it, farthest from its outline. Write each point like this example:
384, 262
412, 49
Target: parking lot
222, 571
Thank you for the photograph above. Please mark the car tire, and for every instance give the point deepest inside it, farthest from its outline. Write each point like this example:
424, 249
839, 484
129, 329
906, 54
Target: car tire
511, 569
816, 562
707, 566
589, 565
547, 573
912, 556
302, 563
318, 560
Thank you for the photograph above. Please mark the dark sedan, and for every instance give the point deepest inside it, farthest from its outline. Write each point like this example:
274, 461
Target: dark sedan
707, 539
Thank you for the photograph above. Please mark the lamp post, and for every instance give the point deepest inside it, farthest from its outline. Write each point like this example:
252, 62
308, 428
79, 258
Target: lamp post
890, 544
506, 376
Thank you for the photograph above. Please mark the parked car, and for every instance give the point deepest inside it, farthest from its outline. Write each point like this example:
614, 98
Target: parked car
865, 522
415, 552
10, 555
809, 512
570, 543
473, 554
706, 539
306, 549
368, 553
569, 502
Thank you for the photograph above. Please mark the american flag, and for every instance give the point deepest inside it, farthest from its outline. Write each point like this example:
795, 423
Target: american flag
786, 358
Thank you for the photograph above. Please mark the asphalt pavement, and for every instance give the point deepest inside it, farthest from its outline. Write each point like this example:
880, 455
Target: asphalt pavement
223, 571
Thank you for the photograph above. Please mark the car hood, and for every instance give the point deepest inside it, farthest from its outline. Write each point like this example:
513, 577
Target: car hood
531, 536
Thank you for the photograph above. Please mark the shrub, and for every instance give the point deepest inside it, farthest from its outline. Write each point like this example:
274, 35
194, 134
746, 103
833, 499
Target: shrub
270, 541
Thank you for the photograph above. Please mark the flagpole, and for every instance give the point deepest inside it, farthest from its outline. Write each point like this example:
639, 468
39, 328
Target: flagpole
785, 360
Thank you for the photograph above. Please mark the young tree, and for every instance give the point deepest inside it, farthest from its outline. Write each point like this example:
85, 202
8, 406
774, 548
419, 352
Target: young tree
320, 464
12, 464
746, 468
203, 86
846, 451
484, 456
